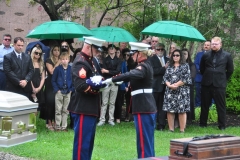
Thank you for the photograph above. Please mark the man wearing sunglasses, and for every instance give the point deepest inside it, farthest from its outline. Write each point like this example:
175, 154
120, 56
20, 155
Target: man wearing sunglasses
159, 64
19, 69
5, 48
154, 41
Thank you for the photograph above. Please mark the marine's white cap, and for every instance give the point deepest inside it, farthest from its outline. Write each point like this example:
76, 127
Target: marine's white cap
138, 46
94, 41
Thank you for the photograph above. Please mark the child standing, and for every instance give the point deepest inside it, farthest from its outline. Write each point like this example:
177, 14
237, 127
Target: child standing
62, 86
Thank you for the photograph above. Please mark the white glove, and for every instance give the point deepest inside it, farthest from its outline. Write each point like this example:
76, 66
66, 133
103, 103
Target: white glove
118, 83
107, 81
96, 79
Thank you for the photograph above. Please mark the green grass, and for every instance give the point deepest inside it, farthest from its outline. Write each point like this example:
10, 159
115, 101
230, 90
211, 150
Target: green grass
111, 143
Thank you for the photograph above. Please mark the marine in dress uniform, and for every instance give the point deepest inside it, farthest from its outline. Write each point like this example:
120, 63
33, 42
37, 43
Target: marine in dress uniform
143, 104
85, 103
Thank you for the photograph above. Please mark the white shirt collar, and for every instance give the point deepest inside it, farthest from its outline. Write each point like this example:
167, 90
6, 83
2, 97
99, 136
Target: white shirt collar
17, 53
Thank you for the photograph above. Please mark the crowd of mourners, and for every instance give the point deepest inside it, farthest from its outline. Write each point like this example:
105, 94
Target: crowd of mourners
50, 81
178, 84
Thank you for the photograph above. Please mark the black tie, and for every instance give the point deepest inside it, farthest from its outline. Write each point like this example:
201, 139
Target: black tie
19, 57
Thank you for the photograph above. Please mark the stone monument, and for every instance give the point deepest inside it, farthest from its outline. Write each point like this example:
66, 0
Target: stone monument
17, 119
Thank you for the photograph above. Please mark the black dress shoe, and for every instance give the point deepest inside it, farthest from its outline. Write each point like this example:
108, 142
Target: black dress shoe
221, 128
159, 128
202, 125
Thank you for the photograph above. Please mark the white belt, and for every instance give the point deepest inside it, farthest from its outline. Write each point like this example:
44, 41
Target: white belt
139, 91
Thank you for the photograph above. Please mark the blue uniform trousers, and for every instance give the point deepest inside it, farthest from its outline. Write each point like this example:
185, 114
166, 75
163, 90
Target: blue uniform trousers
84, 134
145, 124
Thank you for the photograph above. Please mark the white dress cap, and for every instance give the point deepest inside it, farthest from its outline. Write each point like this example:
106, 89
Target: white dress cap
94, 41
138, 46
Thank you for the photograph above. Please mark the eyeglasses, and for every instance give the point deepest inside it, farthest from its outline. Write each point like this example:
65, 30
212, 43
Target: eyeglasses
160, 49
64, 46
7, 40
214, 44
38, 53
176, 55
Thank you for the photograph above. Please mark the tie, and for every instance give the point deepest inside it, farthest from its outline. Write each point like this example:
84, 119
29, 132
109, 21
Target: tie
19, 57
98, 62
162, 63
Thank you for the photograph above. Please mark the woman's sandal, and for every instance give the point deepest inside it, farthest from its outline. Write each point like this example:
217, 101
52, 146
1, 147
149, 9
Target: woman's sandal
50, 128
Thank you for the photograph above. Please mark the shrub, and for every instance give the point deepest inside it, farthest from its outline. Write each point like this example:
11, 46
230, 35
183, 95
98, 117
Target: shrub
233, 91
212, 115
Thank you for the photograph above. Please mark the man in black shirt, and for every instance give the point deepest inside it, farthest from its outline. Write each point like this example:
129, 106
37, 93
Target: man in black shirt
216, 66
111, 67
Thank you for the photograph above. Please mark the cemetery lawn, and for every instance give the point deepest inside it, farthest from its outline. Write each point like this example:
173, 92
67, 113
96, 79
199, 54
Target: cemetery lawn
111, 143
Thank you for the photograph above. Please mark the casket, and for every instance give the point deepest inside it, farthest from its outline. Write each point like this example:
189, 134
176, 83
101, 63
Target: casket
212, 147
17, 119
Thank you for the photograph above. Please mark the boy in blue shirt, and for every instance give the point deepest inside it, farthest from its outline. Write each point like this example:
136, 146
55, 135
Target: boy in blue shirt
63, 87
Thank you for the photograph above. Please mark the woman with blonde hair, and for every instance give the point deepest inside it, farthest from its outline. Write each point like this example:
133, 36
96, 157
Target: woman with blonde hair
51, 63
143, 104
38, 78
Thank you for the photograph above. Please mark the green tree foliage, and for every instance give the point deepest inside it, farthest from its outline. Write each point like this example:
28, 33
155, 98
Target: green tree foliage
211, 18
233, 90
212, 115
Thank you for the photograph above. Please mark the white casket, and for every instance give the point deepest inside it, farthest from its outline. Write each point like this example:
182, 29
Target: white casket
17, 119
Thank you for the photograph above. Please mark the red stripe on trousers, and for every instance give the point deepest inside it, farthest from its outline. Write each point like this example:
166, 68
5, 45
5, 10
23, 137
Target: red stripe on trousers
141, 135
80, 136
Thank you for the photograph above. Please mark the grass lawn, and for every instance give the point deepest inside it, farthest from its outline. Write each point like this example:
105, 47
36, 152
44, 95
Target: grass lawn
111, 143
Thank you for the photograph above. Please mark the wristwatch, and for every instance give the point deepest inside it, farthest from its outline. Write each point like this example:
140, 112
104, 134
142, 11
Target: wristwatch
26, 80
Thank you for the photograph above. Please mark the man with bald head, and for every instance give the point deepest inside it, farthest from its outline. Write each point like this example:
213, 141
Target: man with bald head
198, 78
154, 41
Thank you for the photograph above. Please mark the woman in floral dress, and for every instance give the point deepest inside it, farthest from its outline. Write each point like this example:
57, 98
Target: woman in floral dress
177, 95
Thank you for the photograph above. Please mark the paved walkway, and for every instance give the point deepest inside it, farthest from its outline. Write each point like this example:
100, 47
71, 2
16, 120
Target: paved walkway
7, 156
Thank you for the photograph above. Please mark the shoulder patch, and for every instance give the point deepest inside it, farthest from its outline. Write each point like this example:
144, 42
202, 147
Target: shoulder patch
82, 73
139, 67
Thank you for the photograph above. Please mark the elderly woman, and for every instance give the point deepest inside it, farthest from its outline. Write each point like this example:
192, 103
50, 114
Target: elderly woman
177, 95
143, 103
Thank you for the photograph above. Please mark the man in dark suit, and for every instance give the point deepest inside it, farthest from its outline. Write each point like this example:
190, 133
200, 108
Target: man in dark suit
19, 69
96, 61
159, 63
216, 66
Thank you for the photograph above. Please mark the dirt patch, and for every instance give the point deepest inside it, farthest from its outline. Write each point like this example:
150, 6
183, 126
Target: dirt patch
232, 119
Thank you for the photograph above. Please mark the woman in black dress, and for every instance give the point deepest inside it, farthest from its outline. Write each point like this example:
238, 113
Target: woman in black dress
193, 71
130, 65
51, 63
38, 78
